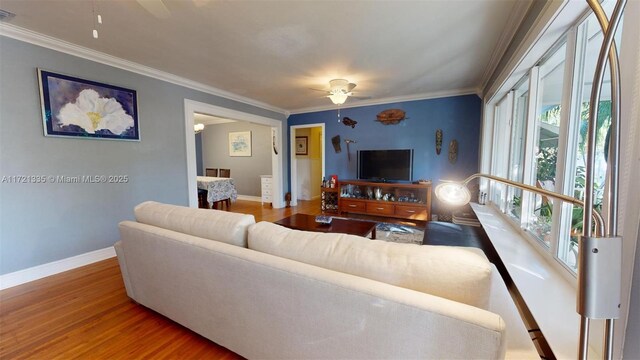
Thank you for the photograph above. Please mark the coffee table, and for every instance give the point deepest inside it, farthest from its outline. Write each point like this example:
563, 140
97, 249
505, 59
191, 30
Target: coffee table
345, 226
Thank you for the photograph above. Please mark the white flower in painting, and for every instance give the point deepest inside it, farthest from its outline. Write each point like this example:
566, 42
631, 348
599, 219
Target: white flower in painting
92, 113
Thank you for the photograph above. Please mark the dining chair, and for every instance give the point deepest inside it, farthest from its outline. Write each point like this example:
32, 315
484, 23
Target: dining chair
219, 205
211, 172
202, 199
225, 173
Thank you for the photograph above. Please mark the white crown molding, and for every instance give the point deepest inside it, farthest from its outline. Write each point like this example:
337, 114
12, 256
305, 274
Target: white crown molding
425, 96
545, 30
35, 38
52, 268
516, 17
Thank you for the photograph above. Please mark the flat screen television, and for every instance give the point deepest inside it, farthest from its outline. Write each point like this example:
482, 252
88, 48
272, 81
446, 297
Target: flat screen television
385, 165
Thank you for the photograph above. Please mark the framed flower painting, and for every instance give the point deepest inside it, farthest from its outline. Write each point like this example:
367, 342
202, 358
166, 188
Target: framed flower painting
73, 107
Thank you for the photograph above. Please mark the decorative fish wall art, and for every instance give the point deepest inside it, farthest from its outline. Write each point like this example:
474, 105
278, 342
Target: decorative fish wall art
349, 122
391, 116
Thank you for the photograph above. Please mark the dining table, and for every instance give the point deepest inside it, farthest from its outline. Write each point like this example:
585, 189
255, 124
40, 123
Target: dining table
218, 188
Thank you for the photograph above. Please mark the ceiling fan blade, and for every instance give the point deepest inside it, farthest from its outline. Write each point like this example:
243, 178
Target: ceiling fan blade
350, 87
156, 8
360, 97
324, 91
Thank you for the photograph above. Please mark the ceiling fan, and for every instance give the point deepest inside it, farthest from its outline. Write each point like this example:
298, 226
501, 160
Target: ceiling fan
340, 90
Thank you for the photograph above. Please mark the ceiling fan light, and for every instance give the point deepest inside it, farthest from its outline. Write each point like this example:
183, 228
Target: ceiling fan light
338, 98
338, 84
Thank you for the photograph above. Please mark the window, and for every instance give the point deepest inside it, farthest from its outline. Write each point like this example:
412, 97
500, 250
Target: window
547, 136
589, 40
516, 153
560, 64
500, 149
539, 138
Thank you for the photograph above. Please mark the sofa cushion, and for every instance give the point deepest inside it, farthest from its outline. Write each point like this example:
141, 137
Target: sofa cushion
223, 226
455, 273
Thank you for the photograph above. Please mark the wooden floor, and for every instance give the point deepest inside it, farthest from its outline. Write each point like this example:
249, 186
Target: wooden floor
267, 213
85, 313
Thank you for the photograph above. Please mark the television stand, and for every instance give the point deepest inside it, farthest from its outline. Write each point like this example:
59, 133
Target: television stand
398, 200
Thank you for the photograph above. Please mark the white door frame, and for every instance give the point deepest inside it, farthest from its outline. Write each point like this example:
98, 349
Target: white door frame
191, 106
293, 160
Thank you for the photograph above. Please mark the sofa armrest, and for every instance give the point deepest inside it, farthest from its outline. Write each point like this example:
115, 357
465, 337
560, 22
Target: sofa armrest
123, 268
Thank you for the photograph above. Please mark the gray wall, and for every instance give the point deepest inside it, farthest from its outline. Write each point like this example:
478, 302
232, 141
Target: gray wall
40, 223
199, 169
245, 171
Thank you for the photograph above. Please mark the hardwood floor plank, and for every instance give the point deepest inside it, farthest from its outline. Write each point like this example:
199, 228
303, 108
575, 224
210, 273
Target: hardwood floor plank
54, 282
65, 311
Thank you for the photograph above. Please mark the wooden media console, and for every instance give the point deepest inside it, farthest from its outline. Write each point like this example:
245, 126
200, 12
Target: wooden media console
399, 200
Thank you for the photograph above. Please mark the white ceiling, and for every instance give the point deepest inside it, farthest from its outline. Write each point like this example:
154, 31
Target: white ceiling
274, 51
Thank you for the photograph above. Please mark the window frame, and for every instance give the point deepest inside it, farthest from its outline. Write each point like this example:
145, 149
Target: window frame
574, 59
499, 162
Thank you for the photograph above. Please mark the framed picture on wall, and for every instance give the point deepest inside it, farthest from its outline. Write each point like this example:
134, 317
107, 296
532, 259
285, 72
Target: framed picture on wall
74, 107
240, 143
302, 145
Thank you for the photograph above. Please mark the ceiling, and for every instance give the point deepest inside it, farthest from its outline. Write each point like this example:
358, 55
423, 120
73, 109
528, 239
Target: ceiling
274, 51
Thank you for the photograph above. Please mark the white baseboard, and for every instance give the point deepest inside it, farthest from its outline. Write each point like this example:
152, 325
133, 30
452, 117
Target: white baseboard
250, 198
38, 272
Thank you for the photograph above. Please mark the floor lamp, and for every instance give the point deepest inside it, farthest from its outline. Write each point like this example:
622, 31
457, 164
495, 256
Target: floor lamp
600, 248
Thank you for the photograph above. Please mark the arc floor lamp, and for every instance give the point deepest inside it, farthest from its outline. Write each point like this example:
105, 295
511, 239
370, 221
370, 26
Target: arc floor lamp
600, 248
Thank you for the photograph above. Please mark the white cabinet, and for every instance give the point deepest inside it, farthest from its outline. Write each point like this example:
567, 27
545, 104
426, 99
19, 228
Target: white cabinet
266, 182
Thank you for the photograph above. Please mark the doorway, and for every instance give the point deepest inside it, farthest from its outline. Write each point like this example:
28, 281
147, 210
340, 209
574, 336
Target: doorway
307, 167
191, 107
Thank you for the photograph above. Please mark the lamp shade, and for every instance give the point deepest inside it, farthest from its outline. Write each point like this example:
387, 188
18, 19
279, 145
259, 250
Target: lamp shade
453, 193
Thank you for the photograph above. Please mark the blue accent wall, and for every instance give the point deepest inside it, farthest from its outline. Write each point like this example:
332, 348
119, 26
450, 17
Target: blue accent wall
459, 118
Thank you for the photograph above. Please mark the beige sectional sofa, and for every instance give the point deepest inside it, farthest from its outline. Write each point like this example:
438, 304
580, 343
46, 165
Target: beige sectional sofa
267, 292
